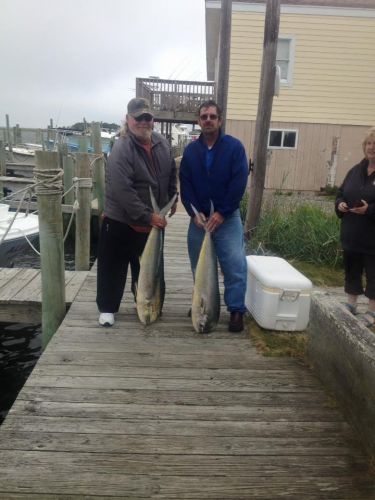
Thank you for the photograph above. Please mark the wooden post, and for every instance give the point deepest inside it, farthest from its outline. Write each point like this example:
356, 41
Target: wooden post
98, 168
82, 144
51, 242
3, 167
266, 92
82, 247
224, 57
9, 139
48, 138
332, 163
39, 138
68, 167
17, 135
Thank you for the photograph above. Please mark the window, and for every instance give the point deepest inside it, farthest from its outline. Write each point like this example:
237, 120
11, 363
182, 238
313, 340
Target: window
284, 59
282, 139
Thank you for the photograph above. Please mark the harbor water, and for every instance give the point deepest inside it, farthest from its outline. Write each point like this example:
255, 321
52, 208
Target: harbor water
20, 344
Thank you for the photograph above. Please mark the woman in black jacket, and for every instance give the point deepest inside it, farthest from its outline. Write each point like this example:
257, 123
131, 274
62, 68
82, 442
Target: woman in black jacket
355, 205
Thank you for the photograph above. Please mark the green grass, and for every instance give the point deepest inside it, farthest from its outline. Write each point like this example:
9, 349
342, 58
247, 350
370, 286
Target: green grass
303, 232
275, 343
320, 275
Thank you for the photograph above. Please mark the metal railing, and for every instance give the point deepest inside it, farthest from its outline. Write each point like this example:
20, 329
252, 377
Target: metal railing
174, 95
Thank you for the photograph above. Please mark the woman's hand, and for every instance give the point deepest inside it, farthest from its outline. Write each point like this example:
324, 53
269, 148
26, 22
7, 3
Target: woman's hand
360, 210
343, 207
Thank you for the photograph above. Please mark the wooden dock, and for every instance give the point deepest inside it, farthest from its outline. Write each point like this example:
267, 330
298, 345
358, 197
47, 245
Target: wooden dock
164, 413
21, 293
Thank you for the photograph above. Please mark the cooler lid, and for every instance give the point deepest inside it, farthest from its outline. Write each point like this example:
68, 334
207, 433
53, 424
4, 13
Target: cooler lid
276, 272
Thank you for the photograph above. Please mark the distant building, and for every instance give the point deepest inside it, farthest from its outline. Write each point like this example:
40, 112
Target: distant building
326, 103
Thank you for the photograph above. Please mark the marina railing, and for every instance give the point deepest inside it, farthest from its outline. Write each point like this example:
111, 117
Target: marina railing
174, 96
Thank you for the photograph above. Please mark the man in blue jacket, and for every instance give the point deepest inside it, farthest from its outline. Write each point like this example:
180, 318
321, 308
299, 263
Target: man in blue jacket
214, 168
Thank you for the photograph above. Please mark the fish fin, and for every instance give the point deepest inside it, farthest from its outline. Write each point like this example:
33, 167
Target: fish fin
198, 214
168, 206
155, 206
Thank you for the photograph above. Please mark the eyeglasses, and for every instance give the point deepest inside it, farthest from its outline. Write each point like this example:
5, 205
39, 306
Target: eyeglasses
208, 117
145, 117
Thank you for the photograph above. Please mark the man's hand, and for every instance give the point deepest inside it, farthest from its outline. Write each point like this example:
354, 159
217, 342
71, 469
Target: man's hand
173, 209
158, 220
200, 220
214, 222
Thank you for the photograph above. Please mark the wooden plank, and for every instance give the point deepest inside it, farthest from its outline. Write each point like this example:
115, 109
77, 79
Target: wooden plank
220, 486
14, 286
21, 313
6, 275
161, 359
31, 292
296, 400
170, 411
227, 375
20, 293
186, 464
23, 285
271, 385
307, 429
216, 445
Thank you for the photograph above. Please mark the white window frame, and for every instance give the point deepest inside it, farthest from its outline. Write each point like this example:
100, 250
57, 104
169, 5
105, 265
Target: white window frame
283, 130
289, 79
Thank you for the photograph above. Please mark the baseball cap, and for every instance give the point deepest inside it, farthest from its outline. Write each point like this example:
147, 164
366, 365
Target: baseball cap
139, 106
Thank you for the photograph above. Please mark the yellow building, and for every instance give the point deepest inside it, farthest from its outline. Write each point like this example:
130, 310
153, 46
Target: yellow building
326, 55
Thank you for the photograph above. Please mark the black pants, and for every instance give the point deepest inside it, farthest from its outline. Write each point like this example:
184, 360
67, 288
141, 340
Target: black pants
119, 246
355, 264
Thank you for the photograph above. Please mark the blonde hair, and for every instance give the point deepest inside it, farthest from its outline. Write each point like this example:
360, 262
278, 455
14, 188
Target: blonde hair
370, 135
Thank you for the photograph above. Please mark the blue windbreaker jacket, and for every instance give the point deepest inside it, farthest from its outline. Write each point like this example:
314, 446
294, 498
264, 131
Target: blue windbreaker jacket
224, 183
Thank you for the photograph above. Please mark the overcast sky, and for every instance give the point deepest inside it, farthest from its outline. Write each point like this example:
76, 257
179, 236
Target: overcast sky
71, 59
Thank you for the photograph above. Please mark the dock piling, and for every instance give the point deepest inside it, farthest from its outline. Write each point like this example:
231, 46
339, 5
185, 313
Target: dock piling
9, 139
49, 193
3, 167
83, 215
99, 173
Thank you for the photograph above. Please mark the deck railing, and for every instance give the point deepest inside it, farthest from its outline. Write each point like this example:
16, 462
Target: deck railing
174, 95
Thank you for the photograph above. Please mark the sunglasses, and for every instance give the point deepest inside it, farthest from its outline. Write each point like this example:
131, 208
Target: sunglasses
145, 117
206, 117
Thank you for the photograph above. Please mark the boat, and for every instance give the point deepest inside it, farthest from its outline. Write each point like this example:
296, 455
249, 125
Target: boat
24, 152
14, 243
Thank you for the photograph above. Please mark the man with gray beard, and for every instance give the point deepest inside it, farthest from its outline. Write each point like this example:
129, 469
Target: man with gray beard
140, 159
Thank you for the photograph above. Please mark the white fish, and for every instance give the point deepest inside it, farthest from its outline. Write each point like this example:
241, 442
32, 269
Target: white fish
151, 286
205, 309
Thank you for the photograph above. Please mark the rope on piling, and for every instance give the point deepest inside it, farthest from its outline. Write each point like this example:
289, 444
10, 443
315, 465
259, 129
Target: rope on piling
48, 181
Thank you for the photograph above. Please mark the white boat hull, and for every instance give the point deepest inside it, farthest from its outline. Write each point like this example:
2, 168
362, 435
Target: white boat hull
15, 241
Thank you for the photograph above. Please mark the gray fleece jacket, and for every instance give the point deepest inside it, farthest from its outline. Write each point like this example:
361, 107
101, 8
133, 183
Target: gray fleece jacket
129, 174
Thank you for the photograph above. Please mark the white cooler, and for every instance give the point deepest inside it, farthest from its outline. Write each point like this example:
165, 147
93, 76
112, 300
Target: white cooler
277, 295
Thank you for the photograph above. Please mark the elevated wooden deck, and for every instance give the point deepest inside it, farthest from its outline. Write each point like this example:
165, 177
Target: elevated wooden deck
21, 293
162, 412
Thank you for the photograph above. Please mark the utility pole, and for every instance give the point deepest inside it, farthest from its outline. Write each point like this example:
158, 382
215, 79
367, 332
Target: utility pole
266, 92
224, 57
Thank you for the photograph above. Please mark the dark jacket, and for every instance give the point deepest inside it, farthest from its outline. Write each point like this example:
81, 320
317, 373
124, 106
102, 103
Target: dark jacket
224, 183
358, 231
129, 174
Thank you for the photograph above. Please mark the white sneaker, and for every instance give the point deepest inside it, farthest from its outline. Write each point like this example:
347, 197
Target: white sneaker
106, 319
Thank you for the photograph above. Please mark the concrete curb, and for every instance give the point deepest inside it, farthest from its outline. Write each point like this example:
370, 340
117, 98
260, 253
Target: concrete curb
342, 352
